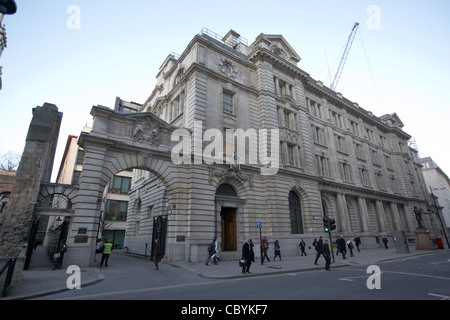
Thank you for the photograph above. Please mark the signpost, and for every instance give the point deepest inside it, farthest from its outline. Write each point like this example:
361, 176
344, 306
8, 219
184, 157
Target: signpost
258, 226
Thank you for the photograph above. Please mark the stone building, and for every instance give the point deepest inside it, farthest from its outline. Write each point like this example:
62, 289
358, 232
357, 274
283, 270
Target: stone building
439, 185
324, 156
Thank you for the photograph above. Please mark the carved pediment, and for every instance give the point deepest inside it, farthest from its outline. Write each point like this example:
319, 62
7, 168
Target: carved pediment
278, 46
392, 120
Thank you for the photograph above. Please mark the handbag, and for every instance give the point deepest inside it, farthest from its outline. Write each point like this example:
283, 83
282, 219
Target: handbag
56, 256
242, 263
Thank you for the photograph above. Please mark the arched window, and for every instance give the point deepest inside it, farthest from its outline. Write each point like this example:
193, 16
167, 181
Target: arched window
226, 190
295, 213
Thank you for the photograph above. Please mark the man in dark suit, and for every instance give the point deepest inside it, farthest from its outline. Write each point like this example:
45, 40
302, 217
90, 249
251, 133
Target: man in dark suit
247, 254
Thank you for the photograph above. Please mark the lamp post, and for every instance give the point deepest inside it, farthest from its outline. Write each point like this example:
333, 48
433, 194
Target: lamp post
8, 6
438, 215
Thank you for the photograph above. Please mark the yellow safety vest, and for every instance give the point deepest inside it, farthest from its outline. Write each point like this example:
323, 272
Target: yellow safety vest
107, 249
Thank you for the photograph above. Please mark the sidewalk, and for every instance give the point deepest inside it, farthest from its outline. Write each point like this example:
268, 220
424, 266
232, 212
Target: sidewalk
41, 280
231, 269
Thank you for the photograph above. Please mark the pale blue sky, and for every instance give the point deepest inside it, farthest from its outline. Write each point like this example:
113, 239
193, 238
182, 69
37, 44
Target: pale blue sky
400, 66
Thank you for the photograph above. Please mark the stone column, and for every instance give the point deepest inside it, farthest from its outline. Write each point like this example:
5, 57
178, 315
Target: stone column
396, 217
380, 215
364, 215
342, 213
82, 236
35, 168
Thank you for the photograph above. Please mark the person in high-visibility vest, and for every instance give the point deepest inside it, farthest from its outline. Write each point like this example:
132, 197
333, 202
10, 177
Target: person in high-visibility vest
107, 247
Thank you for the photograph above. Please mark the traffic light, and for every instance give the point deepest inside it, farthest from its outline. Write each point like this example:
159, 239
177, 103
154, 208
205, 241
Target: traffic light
332, 224
326, 224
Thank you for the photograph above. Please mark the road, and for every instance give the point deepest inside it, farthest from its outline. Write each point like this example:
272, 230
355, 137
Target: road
424, 277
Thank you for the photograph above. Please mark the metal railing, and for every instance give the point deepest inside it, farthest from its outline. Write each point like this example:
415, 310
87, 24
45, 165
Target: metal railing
9, 267
220, 38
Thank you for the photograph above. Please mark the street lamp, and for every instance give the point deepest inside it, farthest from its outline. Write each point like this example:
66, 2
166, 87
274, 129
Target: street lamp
438, 215
8, 6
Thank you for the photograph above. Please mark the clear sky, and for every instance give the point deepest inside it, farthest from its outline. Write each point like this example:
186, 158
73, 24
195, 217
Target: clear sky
77, 54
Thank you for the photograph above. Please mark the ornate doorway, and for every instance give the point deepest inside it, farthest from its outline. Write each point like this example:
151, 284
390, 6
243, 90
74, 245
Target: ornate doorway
228, 229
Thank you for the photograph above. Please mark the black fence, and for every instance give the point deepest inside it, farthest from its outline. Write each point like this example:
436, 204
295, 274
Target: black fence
9, 268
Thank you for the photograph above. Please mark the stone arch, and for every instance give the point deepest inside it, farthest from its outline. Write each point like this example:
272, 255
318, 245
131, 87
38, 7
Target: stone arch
328, 205
116, 142
295, 213
229, 208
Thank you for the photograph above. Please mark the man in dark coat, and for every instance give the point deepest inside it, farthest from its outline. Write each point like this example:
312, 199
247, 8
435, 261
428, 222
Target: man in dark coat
319, 249
326, 254
156, 254
247, 254
340, 243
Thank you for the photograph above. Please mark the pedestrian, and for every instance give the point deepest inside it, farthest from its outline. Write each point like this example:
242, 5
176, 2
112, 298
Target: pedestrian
265, 248
212, 252
340, 243
60, 255
247, 255
106, 252
350, 247
326, 255
385, 241
156, 253
302, 246
252, 251
319, 248
277, 250
357, 241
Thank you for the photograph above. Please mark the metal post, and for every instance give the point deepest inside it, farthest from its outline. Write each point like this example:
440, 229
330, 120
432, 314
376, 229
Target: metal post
331, 244
261, 246
439, 216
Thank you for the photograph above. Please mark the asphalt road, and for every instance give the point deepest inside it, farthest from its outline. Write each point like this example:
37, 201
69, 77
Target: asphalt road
415, 278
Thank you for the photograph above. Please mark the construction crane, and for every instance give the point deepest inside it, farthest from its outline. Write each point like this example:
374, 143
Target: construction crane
344, 56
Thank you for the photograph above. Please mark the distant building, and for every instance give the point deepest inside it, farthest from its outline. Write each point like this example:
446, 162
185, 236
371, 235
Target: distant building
438, 182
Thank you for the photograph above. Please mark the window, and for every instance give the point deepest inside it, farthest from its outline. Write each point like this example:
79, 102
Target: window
318, 135
76, 177
178, 105
322, 165
345, 172
119, 185
340, 143
364, 176
336, 119
116, 210
354, 127
227, 102
359, 151
295, 213
290, 151
80, 156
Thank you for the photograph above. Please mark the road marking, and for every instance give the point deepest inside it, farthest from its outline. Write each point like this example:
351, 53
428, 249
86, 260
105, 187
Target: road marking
351, 278
439, 295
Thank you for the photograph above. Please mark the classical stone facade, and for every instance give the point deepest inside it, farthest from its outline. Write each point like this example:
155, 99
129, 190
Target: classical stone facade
195, 178
335, 158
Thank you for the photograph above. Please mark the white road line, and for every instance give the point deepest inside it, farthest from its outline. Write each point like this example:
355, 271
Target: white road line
439, 295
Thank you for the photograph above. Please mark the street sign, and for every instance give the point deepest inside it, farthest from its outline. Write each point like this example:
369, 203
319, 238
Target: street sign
258, 225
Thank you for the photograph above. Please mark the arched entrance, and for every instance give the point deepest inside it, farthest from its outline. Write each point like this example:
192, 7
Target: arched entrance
117, 142
229, 211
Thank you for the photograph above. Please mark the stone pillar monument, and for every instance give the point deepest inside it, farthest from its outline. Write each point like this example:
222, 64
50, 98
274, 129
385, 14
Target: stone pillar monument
424, 241
35, 167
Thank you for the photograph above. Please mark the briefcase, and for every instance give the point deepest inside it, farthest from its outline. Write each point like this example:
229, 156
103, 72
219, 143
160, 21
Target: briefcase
242, 263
